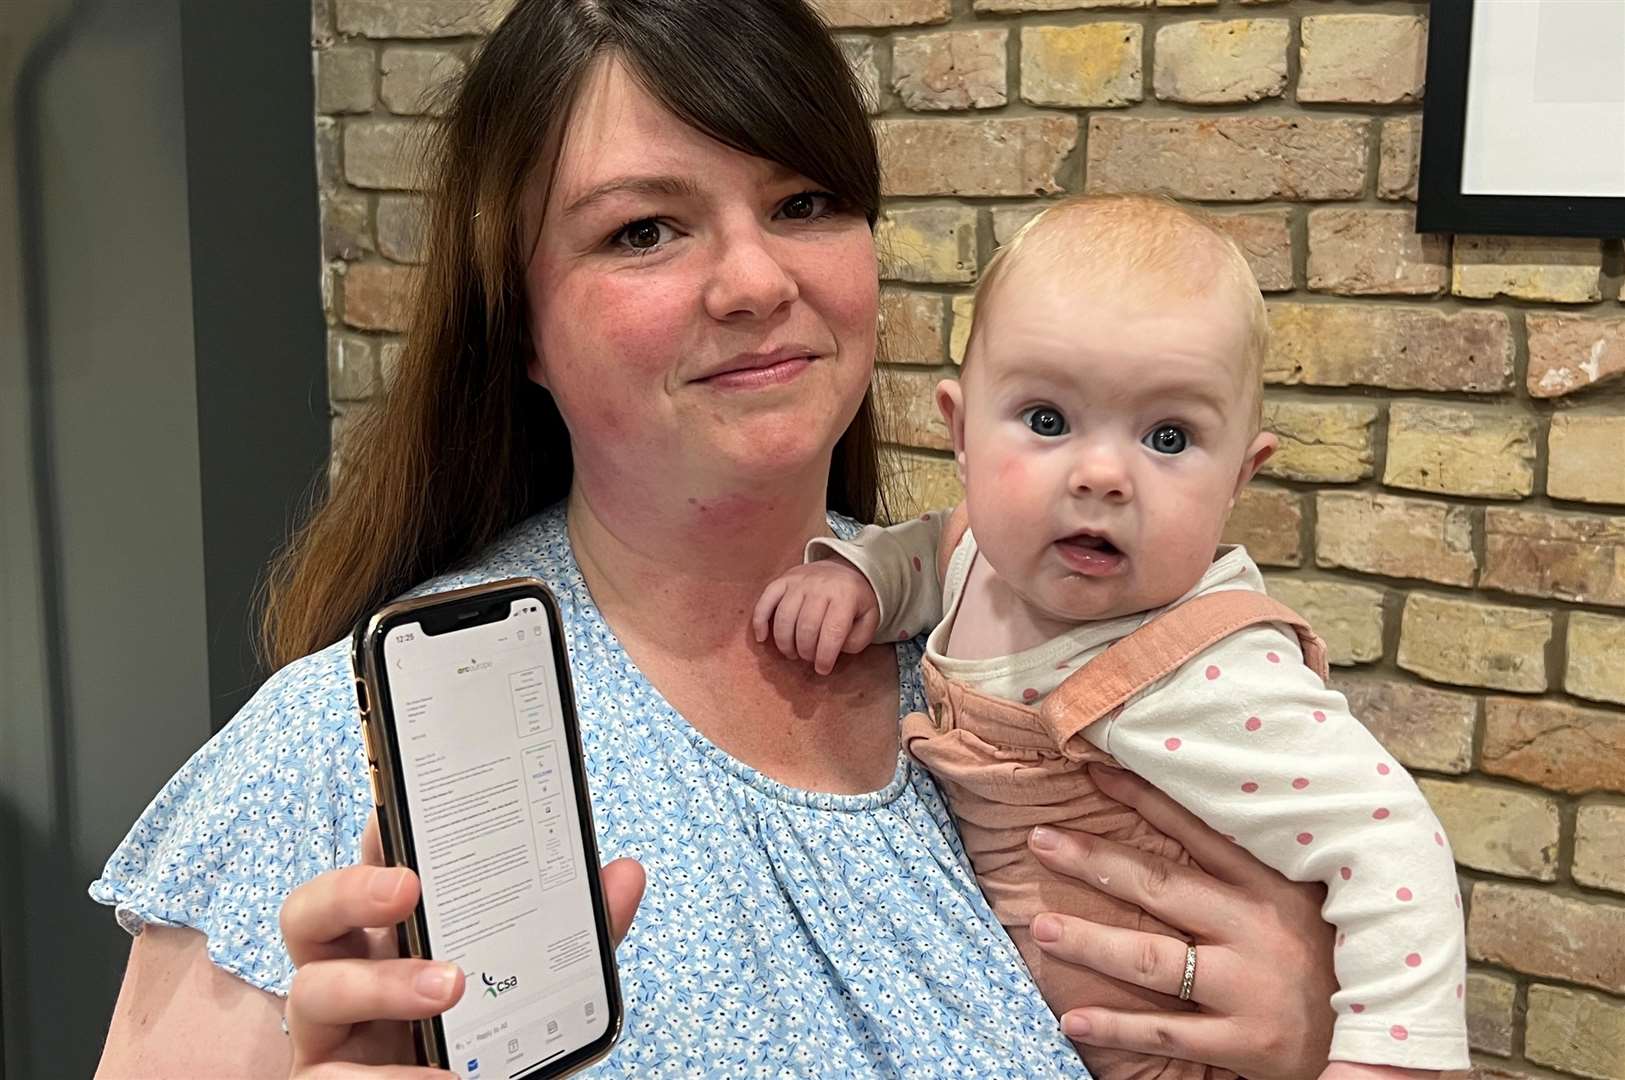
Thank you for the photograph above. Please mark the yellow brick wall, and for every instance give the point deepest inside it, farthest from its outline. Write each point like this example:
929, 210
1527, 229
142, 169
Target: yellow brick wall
1449, 501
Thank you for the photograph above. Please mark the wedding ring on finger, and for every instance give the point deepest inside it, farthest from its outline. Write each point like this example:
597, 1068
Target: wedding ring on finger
1189, 980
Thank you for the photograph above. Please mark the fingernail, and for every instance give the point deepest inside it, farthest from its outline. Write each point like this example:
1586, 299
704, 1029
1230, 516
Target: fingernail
1046, 928
1046, 839
385, 884
1075, 1025
435, 982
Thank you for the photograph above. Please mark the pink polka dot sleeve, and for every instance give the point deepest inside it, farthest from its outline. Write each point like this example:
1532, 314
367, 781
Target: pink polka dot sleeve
1247, 738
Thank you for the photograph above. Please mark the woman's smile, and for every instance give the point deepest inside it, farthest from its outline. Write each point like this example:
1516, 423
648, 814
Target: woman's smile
774, 373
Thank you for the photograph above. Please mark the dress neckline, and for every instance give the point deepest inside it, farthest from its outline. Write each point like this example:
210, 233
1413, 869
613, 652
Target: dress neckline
655, 702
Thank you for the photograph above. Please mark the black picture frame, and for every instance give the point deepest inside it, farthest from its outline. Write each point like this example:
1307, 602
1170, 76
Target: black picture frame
1440, 204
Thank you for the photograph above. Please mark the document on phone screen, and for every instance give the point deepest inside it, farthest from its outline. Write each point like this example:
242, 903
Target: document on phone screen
495, 832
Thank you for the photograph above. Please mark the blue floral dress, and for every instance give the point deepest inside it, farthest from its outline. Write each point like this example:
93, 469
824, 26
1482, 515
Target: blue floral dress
784, 932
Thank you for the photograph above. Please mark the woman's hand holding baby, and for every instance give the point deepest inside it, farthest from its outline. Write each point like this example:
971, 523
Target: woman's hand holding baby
818, 611
1264, 977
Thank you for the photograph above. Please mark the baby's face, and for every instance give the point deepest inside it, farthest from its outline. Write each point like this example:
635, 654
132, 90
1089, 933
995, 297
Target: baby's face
1102, 432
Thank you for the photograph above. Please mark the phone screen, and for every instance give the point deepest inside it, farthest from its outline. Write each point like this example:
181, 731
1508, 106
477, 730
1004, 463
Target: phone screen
488, 779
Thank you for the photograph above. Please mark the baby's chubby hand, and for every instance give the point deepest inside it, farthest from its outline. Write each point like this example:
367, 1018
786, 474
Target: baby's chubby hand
818, 611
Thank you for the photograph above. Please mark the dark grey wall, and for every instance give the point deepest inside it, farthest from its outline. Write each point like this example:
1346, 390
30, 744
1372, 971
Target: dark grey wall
115, 507
162, 395
256, 307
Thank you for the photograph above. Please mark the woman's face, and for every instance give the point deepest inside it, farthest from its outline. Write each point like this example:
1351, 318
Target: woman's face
704, 319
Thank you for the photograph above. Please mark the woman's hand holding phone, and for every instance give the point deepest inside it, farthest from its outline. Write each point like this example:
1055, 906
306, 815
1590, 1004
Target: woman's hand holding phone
352, 993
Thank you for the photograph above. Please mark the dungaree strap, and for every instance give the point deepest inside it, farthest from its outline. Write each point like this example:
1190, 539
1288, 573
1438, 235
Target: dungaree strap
1159, 648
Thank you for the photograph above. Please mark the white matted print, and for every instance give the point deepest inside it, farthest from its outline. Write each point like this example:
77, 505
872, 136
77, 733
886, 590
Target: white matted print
1546, 99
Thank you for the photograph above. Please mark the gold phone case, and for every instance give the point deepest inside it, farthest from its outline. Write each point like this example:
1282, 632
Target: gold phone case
384, 773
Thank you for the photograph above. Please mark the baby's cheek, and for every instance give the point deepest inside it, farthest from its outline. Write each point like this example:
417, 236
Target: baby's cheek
1010, 472
1024, 502
1182, 547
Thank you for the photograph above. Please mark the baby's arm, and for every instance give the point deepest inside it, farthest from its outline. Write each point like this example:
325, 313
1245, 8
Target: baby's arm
1354, 1070
879, 586
1247, 738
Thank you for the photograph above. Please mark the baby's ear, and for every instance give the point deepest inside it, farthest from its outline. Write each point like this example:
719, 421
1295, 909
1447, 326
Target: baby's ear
1259, 451
951, 403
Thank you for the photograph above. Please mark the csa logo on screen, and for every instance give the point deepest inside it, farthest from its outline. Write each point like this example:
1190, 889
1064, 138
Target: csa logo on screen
498, 987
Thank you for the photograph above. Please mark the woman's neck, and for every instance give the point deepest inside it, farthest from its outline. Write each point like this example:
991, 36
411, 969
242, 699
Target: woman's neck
688, 572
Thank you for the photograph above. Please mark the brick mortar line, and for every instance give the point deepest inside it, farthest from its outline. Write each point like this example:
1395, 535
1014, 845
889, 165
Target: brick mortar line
1512, 785
1613, 269
1184, 13
1520, 1016
1381, 433
1517, 1065
1500, 401
1566, 838
1308, 529
1155, 108
453, 41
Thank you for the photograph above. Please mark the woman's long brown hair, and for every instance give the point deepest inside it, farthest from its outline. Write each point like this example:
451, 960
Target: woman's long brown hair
462, 445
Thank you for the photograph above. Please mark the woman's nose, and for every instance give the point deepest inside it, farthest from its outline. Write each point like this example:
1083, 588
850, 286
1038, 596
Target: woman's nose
748, 279
1102, 471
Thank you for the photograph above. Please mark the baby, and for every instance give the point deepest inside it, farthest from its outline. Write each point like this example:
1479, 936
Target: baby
1107, 416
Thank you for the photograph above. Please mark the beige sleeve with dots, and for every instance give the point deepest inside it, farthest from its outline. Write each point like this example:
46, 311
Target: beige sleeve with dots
900, 562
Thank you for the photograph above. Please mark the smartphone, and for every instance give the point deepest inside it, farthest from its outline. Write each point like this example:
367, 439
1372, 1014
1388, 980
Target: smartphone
475, 757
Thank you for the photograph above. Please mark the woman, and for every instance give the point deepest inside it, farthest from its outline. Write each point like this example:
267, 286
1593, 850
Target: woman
639, 370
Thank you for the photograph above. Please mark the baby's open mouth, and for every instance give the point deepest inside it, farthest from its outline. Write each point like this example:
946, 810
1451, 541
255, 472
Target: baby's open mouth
1089, 554
1091, 542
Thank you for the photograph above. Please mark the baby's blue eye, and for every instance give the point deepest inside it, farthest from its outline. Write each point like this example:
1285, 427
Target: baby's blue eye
1045, 420
1168, 439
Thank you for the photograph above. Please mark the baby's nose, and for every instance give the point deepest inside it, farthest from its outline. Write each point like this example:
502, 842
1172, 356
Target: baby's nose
1103, 473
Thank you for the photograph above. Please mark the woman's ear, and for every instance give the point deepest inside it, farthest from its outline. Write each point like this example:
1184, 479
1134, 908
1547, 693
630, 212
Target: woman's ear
951, 403
535, 367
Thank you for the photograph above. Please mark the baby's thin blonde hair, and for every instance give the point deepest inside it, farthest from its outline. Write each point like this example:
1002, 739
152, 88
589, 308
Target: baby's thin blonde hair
1128, 239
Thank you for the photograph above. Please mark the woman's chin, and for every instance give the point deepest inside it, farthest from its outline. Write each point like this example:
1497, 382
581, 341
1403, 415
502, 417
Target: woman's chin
770, 457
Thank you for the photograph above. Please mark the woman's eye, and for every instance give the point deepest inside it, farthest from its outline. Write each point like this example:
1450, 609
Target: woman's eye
645, 234
807, 205
1044, 420
1168, 439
